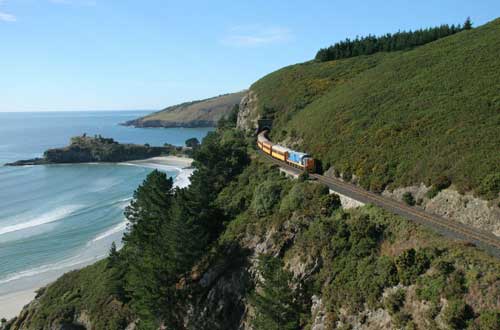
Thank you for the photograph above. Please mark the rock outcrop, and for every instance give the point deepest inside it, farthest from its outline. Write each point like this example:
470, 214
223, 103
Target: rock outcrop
85, 149
448, 203
248, 112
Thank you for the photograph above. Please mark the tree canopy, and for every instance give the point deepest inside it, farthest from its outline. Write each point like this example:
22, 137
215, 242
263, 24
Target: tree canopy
400, 40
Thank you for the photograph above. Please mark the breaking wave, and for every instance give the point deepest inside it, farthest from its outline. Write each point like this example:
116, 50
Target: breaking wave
52, 216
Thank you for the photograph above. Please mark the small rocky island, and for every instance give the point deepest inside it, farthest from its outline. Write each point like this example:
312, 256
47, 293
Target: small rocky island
86, 149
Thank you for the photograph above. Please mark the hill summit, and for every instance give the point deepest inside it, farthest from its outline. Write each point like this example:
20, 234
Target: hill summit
202, 113
394, 119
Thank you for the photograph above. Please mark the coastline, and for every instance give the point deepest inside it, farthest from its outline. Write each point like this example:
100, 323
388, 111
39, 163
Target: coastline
174, 161
11, 304
23, 292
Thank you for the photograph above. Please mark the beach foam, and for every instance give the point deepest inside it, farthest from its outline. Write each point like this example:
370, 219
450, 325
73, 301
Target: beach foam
52, 216
113, 230
69, 263
184, 172
183, 179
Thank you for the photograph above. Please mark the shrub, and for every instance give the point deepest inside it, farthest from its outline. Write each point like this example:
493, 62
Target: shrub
192, 143
441, 183
408, 198
329, 203
444, 267
489, 320
456, 314
394, 301
490, 186
301, 195
400, 319
444, 282
304, 176
432, 193
455, 285
410, 264
347, 175
266, 196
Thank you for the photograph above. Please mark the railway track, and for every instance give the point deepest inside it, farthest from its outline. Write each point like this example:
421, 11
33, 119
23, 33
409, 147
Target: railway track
456, 230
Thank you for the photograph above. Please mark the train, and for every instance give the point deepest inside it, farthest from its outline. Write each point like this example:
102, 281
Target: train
293, 158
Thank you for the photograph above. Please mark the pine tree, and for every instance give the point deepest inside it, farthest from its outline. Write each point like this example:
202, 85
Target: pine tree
468, 24
114, 256
148, 277
149, 208
184, 237
276, 304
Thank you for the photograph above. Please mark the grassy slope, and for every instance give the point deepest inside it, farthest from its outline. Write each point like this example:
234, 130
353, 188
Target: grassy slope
205, 110
399, 118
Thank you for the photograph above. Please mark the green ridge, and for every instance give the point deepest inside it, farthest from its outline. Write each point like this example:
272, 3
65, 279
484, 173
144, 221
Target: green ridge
398, 118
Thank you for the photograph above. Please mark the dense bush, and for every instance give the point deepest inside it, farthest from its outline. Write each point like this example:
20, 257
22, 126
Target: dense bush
489, 320
408, 198
349, 245
411, 264
329, 203
456, 314
266, 197
445, 282
394, 301
301, 195
490, 186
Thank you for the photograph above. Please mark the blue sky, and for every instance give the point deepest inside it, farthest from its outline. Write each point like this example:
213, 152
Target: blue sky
124, 54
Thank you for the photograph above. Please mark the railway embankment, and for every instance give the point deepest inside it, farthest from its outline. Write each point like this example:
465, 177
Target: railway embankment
450, 204
444, 226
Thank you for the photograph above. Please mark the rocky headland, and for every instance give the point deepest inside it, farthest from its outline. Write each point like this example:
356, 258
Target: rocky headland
87, 149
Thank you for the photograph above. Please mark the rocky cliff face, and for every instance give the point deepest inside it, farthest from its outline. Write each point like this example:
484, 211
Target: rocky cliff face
248, 113
84, 149
450, 204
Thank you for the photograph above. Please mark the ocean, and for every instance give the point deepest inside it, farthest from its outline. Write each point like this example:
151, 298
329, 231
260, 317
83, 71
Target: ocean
56, 218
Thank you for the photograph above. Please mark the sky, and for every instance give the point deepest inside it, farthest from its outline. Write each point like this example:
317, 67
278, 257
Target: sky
69, 55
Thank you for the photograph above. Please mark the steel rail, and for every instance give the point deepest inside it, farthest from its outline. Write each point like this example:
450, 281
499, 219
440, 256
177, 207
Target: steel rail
487, 241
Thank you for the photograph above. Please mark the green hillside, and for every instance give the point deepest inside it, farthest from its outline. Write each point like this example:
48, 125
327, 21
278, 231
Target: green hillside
400, 118
202, 113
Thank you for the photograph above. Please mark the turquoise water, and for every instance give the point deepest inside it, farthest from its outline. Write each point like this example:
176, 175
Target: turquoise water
58, 217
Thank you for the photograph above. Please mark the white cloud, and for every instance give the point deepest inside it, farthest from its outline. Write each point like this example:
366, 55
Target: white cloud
4, 17
255, 36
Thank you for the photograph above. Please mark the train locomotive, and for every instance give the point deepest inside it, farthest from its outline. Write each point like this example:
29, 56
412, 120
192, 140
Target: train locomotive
293, 158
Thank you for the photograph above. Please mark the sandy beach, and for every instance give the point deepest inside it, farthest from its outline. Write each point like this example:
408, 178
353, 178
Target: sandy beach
12, 303
175, 161
22, 291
